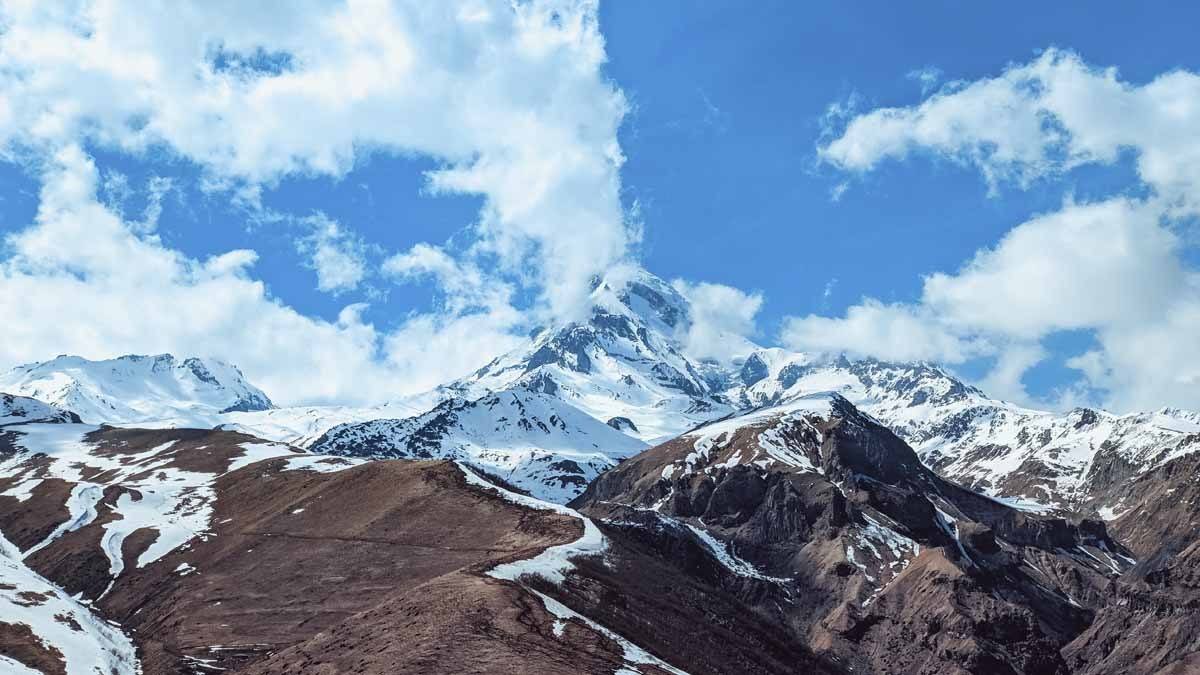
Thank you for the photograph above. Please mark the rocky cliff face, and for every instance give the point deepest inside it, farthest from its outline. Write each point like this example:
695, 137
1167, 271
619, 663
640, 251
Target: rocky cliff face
1043, 461
817, 516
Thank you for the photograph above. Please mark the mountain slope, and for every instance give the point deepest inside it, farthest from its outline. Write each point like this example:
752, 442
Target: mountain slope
1064, 462
23, 410
137, 389
387, 566
530, 439
828, 524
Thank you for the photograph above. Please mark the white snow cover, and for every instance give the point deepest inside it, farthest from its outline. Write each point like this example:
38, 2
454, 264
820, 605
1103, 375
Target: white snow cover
81, 505
552, 563
95, 647
772, 448
944, 420
137, 389
725, 555
321, 463
633, 366
632, 653
301, 425
534, 441
23, 410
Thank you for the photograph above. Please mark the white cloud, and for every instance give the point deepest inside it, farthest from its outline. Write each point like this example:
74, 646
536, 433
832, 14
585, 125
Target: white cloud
466, 287
1039, 119
116, 291
1117, 266
113, 291
508, 97
1004, 380
722, 319
827, 293
338, 257
1084, 266
928, 77
895, 332
1151, 364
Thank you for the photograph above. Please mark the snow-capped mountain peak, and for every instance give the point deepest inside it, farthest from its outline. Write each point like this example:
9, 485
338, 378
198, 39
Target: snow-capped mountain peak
622, 360
649, 298
136, 388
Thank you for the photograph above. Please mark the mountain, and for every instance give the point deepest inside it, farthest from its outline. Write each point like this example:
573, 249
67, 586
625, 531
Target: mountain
1155, 601
622, 364
786, 512
813, 515
803, 537
531, 439
191, 551
1062, 462
23, 410
550, 416
138, 389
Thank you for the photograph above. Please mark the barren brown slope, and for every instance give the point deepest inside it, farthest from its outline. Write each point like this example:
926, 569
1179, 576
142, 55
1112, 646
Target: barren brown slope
288, 553
372, 568
296, 553
1148, 621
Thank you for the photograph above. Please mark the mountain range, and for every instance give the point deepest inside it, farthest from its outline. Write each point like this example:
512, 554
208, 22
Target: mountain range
597, 500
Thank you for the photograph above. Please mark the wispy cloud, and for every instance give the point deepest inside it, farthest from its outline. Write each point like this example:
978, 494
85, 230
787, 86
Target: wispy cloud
928, 77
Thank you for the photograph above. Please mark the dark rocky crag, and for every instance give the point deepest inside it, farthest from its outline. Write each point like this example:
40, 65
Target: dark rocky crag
859, 551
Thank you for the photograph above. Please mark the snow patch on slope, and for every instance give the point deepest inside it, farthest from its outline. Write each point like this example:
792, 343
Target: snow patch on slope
88, 644
176, 503
552, 565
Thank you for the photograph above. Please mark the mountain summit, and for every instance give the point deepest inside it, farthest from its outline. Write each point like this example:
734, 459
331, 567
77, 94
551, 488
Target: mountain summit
623, 363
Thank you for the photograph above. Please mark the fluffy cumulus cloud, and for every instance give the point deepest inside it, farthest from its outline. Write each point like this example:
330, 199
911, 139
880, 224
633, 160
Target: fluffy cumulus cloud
722, 319
894, 332
508, 98
82, 281
337, 256
1117, 267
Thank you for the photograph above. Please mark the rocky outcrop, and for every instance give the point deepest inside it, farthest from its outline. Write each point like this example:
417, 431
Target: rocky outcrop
819, 518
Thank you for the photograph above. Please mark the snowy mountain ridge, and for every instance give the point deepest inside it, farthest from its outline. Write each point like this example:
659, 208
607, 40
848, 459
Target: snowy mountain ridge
136, 388
623, 361
25, 410
1041, 460
620, 378
531, 439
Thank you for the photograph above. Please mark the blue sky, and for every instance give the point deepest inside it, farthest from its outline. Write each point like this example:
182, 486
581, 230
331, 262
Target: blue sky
729, 99
721, 110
